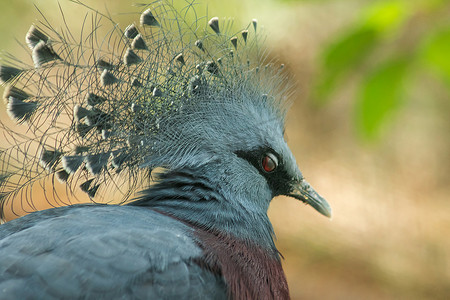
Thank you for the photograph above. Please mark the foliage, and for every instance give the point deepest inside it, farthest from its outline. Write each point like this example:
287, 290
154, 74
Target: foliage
392, 41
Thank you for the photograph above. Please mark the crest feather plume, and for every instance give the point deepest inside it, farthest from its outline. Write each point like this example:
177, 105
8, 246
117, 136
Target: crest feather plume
96, 110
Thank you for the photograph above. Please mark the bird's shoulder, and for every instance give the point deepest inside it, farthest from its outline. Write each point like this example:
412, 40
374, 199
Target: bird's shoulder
102, 251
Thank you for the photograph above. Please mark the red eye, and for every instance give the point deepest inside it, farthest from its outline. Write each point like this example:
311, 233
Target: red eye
269, 162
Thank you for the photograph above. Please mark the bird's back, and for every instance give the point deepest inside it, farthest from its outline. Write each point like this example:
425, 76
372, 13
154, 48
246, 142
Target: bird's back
102, 252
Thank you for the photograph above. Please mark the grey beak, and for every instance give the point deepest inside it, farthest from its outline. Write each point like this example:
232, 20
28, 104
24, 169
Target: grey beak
304, 192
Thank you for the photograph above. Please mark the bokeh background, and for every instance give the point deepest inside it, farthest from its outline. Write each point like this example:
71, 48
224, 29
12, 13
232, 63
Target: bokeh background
369, 125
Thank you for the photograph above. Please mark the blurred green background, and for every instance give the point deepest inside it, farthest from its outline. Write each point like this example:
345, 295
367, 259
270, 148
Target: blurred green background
369, 126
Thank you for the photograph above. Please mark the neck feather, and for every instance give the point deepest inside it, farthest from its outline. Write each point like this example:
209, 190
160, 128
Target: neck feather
195, 200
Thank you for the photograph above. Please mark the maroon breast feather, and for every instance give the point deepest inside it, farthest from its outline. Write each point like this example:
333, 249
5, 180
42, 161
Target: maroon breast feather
249, 271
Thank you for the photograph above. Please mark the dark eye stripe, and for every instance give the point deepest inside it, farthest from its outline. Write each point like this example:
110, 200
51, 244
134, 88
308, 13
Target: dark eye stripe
278, 179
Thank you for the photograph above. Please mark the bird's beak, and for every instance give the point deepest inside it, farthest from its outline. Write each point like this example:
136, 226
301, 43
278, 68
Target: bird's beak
304, 192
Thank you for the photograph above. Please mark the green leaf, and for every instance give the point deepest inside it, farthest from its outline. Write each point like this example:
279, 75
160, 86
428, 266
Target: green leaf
349, 49
387, 15
379, 20
343, 55
436, 53
380, 94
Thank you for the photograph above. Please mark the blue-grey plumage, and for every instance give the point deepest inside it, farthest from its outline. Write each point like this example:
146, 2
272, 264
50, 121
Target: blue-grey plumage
56, 254
203, 105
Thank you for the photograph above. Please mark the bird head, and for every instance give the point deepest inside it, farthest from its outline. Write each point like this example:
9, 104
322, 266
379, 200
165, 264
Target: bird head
165, 93
236, 141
